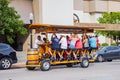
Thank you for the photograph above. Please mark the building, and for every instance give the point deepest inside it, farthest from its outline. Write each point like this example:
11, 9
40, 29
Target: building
61, 12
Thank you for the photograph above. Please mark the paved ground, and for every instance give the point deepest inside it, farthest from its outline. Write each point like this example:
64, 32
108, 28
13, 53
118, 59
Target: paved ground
96, 71
22, 58
21, 55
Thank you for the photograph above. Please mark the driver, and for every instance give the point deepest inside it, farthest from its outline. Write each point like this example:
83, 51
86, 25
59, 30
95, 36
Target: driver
38, 41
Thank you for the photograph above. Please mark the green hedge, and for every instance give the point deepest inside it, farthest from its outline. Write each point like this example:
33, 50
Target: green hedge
104, 44
113, 44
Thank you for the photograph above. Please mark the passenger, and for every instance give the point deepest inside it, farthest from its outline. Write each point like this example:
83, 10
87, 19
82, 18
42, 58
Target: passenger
63, 44
68, 40
73, 40
79, 44
44, 39
97, 40
54, 46
46, 47
93, 43
86, 42
38, 41
55, 42
86, 45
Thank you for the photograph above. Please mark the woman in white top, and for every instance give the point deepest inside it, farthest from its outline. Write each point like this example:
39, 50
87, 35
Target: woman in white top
63, 42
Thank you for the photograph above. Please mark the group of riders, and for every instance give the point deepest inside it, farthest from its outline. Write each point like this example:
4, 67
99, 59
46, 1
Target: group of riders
69, 47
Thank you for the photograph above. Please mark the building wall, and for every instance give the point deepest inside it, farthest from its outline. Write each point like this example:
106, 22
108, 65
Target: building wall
61, 11
58, 12
37, 7
83, 17
101, 5
24, 8
89, 6
78, 5
60, 8
114, 6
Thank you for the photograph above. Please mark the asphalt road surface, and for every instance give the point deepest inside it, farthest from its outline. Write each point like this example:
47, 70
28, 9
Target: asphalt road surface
95, 71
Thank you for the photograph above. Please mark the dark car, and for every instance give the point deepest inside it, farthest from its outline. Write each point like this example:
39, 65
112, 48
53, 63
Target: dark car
7, 56
108, 53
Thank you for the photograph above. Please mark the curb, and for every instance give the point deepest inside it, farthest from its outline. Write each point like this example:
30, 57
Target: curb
18, 65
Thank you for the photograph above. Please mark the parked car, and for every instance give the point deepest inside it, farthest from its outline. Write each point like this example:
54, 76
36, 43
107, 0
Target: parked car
7, 56
108, 53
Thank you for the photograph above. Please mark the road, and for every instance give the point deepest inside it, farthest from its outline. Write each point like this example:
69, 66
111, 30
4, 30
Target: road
95, 71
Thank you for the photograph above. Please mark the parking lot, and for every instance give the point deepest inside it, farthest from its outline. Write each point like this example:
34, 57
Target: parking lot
95, 71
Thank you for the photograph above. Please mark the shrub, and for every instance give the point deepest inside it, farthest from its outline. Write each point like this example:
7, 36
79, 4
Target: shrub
113, 44
104, 44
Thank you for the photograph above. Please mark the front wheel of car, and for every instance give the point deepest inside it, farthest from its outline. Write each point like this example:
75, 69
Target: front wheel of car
5, 63
100, 58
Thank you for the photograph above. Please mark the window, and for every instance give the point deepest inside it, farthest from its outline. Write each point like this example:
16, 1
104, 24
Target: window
112, 48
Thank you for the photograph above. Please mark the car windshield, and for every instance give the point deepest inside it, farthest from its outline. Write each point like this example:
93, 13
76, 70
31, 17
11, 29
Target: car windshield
4, 47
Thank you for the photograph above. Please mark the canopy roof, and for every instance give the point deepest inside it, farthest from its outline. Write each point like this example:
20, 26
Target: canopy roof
96, 26
66, 28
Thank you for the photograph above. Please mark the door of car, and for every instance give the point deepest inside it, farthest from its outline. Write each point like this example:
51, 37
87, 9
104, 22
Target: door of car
112, 52
107, 53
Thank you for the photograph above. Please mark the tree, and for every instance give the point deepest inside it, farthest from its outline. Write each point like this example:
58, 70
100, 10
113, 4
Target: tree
110, 18
10, 23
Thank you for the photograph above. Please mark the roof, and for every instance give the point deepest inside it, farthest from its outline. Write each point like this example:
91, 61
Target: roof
65, 28
99, 26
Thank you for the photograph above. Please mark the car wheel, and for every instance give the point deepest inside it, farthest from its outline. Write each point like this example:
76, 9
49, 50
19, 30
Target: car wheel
84, 62
29, 68
109, 60
5, 63
45, 65
100, 58
69, 65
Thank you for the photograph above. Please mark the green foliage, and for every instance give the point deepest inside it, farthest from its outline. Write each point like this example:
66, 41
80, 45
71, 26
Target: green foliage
110, 18
113, 44
10, 23
104, 44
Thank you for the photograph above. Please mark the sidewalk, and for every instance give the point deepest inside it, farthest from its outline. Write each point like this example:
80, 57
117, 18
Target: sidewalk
18, 65
22, 58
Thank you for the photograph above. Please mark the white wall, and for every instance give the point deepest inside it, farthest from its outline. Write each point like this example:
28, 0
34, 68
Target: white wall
59, 12
94, 17
89, 18
83, 17
86, 17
